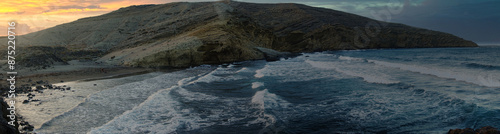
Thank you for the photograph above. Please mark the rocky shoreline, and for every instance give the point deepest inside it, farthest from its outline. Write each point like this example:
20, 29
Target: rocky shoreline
483, 130
33, 84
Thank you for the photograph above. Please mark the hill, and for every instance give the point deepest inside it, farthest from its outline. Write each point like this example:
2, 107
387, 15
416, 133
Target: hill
187, 34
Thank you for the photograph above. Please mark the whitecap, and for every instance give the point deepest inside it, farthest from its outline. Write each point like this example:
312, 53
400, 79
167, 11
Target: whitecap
257, 85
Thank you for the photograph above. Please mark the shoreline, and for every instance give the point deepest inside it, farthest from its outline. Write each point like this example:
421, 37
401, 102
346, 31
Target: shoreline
54, 103
83, 74
49, 80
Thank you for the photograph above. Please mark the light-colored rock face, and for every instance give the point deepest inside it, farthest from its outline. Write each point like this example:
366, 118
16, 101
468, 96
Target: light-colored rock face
187, 34
210, 41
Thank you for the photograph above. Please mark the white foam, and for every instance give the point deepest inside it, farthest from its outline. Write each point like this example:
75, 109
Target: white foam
54, 102
159, 114
470, 76
489, 81
258, 98
257, 85
260, 73
140, 119
220, 74
268, 100
244, 69
322, 65
102, 106
265, 100
350, 58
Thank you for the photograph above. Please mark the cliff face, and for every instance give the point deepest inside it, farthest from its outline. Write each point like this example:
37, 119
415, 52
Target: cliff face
186, 34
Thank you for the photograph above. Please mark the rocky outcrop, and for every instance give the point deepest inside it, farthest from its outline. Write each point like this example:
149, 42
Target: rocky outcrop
41, 57
5, 128
483, 130
188, 34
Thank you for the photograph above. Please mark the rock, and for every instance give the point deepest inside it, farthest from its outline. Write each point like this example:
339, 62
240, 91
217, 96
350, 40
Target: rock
488, 130
483, 130
28, 128
5, 128
462, 131
273, 55
26, 101
23, 123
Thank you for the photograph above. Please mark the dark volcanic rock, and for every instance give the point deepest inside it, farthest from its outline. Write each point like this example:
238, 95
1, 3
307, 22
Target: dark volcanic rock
483, 130
5, 128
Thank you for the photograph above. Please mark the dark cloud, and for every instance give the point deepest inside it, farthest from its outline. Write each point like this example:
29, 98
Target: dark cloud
54, 8
474, 20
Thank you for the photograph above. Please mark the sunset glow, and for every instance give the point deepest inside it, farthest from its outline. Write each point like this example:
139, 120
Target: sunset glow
34, 15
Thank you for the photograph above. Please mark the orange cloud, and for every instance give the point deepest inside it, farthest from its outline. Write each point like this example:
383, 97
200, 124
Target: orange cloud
37, 15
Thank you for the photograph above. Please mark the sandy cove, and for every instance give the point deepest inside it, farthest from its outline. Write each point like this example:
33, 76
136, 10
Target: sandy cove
51, 82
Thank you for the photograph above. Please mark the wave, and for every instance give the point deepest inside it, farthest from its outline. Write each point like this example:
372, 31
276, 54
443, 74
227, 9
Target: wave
168, 115
292, 70
244, 69
257, 85
160, 114
267, 102
367, 75
471, 77
489, 80
260, 73
102, 106
350, 58
481, 66
220, 74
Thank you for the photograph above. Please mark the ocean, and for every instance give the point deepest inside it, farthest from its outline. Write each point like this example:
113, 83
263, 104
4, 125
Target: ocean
427, 90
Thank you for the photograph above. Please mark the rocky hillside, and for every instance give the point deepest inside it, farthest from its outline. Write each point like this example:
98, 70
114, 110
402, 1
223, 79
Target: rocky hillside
186, 34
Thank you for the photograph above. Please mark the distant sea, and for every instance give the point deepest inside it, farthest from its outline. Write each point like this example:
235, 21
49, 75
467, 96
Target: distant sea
428, 90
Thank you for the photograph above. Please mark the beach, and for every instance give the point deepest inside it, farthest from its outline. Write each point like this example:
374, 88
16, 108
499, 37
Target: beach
32, 87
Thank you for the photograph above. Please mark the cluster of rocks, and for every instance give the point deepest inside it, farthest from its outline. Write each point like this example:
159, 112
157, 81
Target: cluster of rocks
25, 127
31, 88
483, 130
39, 87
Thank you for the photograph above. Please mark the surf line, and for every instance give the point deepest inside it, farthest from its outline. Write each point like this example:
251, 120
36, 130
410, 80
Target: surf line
11, 75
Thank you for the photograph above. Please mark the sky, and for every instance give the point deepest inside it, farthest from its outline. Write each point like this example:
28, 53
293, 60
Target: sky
475, 20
